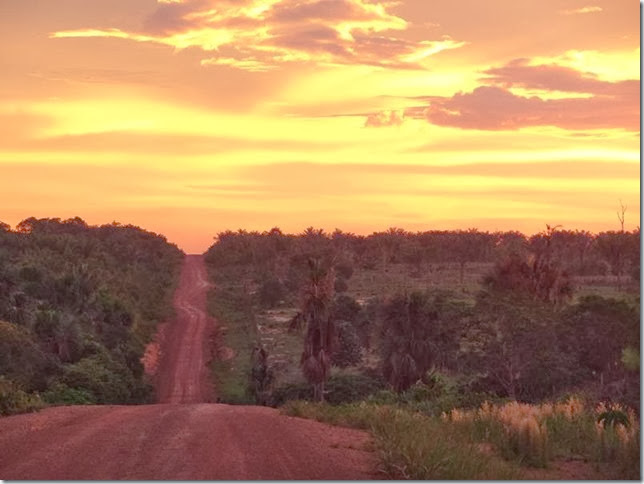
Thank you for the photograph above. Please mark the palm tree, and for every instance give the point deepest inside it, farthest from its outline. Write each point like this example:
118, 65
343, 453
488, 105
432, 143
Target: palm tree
408, 334
320, 328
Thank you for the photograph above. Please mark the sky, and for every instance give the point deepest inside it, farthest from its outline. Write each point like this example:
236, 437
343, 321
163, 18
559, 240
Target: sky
191, 117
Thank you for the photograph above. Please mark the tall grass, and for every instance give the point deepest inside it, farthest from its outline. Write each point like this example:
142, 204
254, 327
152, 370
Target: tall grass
535, 434
412, 445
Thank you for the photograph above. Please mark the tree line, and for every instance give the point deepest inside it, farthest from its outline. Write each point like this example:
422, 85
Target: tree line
77, 305
578, 252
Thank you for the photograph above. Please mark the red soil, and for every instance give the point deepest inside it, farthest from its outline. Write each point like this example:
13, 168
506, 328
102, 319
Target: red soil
181, 438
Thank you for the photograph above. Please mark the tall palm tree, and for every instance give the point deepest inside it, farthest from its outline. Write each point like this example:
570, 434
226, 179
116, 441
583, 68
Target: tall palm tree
320, 329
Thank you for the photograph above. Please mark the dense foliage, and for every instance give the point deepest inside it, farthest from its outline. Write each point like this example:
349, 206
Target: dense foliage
77, 305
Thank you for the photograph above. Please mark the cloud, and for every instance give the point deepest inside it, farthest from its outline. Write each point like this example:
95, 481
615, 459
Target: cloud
259, 35
384, 118
495, 107
588, 9
552, 77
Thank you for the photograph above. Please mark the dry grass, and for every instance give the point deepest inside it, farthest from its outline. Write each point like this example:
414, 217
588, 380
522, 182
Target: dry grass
536, 433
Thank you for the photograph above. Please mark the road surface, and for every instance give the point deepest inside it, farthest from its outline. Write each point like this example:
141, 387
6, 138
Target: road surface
183, 375
181, 438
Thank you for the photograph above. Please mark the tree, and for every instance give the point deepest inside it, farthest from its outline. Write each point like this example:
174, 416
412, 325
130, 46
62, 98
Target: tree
540, 277
621, 214
407, 347
389, 242
316, 309
612, 247
598, 329
512, 345
261, 376
469, 246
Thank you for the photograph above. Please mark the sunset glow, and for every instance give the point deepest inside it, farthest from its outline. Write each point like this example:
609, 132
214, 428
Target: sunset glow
190, 117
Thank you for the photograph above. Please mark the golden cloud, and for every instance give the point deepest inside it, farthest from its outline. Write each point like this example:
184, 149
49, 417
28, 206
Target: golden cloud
494, 106
259, 35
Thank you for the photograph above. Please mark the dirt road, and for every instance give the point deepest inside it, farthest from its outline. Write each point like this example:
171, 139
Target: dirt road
180, 439
183, 375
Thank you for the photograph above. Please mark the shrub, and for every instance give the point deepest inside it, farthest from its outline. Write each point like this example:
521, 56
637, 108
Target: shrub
341, 388
348, 351
59, 393
271, 292
14, 400
105, 380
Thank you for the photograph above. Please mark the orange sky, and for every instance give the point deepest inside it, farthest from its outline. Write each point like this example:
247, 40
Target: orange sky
189, 117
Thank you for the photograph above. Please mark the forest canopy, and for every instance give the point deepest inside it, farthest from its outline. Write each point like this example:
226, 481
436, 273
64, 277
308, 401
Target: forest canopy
77, 305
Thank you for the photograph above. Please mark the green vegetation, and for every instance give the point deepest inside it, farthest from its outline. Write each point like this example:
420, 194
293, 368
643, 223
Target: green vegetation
489, 442
77, 306
437, 323
237, 332
411, 445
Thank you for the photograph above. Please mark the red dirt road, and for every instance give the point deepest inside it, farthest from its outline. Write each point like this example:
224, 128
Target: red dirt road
183, 375
181, 439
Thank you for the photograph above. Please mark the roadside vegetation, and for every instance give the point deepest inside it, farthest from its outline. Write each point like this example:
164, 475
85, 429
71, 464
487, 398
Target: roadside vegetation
78, 303
444, 334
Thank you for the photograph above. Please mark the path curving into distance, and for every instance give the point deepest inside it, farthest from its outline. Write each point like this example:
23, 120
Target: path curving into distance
182, 437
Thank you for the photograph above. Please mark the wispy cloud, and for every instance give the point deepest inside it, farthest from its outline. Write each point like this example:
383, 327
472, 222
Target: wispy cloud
259, 35
587, 9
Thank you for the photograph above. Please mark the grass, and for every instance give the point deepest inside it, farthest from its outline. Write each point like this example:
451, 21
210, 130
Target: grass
535, 435
411, 445
492, 442
230, 306
395, 278
284, 348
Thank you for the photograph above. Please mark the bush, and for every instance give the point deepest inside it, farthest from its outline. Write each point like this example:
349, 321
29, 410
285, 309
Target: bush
105, 380
61, 394
439, 393
341, 388
271, 292
14, 400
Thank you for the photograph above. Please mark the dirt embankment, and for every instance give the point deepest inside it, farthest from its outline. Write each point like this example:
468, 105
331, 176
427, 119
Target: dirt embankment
180, 438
